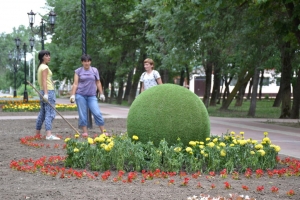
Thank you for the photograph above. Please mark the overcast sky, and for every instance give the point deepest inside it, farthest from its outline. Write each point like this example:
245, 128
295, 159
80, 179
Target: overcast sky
14, 13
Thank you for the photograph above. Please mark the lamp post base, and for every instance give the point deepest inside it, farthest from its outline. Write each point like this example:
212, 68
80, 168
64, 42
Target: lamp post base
25, 98
15, 93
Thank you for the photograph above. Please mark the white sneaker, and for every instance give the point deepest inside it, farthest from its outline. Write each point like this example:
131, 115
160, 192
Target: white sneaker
52, 137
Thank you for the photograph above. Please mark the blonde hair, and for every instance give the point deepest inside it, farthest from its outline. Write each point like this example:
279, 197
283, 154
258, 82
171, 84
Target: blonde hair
150, 61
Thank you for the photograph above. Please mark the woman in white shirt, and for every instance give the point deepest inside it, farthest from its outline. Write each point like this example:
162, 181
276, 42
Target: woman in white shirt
150, 77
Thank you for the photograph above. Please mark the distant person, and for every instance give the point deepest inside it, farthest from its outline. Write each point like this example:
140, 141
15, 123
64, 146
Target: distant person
150, 77
47, 113
84, 92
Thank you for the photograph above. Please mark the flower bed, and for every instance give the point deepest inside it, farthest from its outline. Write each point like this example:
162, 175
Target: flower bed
31, 106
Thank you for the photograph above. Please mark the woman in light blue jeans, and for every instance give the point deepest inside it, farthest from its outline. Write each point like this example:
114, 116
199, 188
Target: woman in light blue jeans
91, 102
84, 91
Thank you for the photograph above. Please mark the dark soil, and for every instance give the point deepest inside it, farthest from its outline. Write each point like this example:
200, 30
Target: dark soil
22, 185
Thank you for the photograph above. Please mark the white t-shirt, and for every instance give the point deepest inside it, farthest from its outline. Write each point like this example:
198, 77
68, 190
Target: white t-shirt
149, 80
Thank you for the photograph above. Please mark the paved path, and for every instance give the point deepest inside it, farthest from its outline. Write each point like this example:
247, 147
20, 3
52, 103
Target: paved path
288, 138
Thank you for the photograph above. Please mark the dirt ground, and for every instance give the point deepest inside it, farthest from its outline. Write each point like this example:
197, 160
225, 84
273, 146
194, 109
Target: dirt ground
22, 185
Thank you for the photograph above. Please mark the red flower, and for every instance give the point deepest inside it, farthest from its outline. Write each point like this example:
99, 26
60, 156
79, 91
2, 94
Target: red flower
227, 185
185, 182
199, 185
245, 187
259, 173
171, 181
274, 189
213, 186
290, 193
212, 173
260, 188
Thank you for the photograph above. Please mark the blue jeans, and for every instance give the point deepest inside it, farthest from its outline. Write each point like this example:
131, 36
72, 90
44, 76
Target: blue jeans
47, 113
85, 102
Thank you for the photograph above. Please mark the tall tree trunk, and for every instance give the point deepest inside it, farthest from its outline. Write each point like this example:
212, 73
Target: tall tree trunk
296, 98
187, 76
136, 78
120, 92
252, 108
208, 73
128, 85
181, 77
286, 76
261, 83
239, 83
278, 97
112, 86
250, 88
216, 87
241, 94
226, 91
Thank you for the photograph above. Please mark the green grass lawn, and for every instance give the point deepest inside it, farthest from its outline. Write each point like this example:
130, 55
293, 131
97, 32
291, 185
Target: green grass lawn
264, 109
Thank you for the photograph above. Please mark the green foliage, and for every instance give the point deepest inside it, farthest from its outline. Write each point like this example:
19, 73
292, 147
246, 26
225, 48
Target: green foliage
231, 152
168, 112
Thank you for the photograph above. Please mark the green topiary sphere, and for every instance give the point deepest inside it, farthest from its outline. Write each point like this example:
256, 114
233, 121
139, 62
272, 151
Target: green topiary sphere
168, 112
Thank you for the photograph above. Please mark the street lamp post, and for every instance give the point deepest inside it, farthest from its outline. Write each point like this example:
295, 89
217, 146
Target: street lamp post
18, 41
42, 28
15, 58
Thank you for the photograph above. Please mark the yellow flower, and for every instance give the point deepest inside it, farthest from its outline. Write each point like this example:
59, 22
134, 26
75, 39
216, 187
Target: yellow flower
265, 133
191, 152
252, 152
177, 149
201, 146
234, 141
67, 139
90, 140
108, 140
223, 153
189, 149
207, 139
277, 148
178, 139
243, 142
202, 152
206, 155
232, 132
107, 148
222, 144
134, 137
259, 146
101, 139
76, 150
111, 144
76, 135
192, 143
242, 133
102, 145
254, 141
215, 140
211, 144
267, 140
159, 152
201, 143
226, 138
262, 152
232, 145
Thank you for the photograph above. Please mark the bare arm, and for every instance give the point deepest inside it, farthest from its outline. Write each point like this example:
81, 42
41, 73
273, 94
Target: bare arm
99, 86
142, 89
159, 81
75, 84
44, 80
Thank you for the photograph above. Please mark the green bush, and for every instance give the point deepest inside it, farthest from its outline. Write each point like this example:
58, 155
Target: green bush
168, 112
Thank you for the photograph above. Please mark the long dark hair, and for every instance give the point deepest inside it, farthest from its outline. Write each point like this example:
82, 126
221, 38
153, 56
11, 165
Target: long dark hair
41, 55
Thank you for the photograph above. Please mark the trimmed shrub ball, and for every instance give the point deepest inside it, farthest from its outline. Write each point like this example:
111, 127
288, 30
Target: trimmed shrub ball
168, 112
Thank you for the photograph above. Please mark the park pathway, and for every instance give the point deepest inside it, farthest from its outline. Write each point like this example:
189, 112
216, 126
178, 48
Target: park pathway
288, 138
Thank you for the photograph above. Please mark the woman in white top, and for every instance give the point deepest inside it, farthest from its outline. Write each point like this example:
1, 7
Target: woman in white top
150, 77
